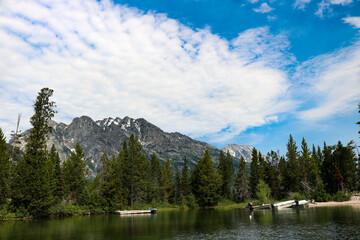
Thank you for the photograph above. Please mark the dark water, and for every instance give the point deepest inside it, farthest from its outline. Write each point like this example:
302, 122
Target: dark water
312, 223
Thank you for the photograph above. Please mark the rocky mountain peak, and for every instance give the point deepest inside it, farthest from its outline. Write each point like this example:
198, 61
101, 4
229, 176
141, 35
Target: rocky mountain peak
239, 150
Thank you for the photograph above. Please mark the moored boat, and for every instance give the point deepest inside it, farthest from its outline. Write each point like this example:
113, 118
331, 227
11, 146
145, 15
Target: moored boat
263, 206
301, 204
281, 205
130, 212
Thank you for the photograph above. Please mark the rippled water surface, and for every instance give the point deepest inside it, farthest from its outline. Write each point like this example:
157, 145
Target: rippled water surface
312, 223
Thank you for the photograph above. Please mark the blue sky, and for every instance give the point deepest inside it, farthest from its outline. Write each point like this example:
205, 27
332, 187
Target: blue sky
231, 71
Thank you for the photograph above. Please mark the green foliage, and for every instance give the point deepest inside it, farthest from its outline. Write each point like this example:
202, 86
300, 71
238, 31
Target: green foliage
134, 171
165, 180
185, 181
320, 195
241, 187
340, 196
226, 170
263, 192
33, 175
206, 182
57, 183
4, 169
339, 168
254, 172
293, 173
296, 196
272, 175
75, 173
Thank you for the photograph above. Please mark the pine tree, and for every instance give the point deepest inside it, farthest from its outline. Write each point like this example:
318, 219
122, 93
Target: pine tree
176, 199
254, 172
34, 172
205, 182
58, 183
75, 173
134, 169
107, 181
272, 174
305, 164
293, 174
241, 187
155, 176
185, 181
165, 181
226, 171
4, 168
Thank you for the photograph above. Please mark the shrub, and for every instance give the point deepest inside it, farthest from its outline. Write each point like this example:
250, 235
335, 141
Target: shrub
341, 196
263, 192
296, 196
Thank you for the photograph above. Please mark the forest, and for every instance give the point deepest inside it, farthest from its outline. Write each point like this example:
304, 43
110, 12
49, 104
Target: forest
36, 183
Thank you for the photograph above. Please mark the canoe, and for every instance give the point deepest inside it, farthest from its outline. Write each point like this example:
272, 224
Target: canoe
282, 205
263, 206
301, 204
130, 212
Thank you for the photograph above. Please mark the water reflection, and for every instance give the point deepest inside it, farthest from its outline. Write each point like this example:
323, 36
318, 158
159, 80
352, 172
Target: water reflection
313, 223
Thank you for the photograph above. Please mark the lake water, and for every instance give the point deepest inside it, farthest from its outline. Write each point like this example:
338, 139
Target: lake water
312, 223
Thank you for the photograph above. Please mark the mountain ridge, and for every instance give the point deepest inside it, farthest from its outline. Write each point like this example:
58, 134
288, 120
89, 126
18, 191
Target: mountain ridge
108, 135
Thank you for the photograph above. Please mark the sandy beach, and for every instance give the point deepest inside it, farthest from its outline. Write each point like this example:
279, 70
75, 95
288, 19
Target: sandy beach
355, 200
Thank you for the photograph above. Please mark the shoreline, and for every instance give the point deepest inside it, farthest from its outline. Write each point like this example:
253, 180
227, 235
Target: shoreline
355, 200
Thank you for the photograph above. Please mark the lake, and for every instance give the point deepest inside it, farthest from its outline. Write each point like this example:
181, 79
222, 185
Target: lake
311, 223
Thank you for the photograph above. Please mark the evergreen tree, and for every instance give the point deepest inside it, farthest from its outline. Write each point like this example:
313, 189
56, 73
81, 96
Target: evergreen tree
176, 199
293, 174
134, 169
305, 164
75, 173
155, 176
282, 177
226, 170
254, 173
272, 175
34, 172
185, 181
107, 181
165, 181
4, 168
241, 187
205, 182
58, 183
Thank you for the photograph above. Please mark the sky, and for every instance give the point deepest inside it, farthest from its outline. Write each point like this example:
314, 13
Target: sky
232, 71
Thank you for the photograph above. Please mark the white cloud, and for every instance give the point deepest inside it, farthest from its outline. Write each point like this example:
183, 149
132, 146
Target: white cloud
325, 6
264, 8
301, 4
104, 60
355, 21
332, 83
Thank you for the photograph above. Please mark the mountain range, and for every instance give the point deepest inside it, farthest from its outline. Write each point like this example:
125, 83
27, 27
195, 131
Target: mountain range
108, 135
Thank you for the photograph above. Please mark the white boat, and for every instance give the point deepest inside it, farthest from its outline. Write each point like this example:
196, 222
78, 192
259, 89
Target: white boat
301, 204
281, 205
138, 212
263, 206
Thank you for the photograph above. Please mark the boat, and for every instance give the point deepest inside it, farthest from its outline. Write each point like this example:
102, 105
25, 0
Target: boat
301, 204
282, 205
263, 206
131, 212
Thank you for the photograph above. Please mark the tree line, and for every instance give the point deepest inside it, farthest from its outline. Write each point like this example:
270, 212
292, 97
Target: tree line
37, 183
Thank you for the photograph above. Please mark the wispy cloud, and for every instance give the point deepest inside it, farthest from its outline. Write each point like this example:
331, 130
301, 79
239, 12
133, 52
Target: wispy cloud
111, 60
331, 83
264, 8
325, 6
354, 21
301, 4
